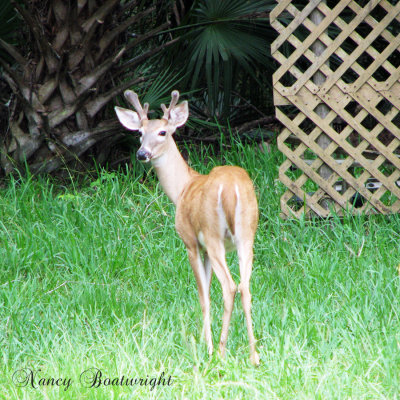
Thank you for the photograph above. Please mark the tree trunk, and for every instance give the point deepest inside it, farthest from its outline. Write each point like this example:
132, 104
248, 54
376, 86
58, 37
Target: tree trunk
70, 66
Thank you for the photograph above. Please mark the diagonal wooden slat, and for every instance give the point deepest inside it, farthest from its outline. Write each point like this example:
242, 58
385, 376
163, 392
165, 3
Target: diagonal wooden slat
299, 18
334, 45
392, 95
387, 85
330, 162
359, 128
361, 48
365, 76
309, 41
363, 97
363, 116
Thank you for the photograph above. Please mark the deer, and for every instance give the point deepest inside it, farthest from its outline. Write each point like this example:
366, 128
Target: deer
215, 213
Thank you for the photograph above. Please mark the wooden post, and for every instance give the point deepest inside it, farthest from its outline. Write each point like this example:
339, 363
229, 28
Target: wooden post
319, 78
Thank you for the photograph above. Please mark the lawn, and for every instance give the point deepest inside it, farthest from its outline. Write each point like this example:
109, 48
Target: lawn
96, 290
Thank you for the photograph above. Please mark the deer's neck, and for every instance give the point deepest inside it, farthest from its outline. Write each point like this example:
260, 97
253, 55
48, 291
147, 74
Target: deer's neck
173, 172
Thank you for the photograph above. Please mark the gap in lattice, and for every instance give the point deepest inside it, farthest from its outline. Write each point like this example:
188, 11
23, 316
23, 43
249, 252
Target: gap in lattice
385, 137
378, 13
303, 63
307, 126
301, 33
380, 44
285, 18
338, 124
369, 122
299, 5
394, 58
393, 114
363, 29
355, 170
381, 74
362, 3
365, 60
335, 62
349, 45
354, 138
370, 154
384, 106
388, 198
309, 187
357, 200
396, 121
386, 169
350, 75
333, 31
289, 111
317, 108
347, 15
339, 154
309, 155
286, 48
394, 27
292, 143
295, 203
288, 79
293, 173
353, 108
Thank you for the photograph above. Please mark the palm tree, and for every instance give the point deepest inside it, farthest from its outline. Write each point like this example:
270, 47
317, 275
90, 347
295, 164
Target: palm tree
225, 49
73, 57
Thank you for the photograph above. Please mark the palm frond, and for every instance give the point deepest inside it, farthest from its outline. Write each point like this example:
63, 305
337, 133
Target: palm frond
224, 38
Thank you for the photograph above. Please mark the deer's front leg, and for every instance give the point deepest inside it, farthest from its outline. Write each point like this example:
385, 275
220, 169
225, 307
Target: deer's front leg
202, 272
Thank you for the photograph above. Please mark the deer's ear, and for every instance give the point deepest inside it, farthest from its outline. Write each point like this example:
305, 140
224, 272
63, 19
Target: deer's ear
128, 118
179, 114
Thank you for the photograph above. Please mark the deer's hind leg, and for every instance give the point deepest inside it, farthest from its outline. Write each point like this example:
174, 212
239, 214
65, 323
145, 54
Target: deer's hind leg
216, 253
245, 254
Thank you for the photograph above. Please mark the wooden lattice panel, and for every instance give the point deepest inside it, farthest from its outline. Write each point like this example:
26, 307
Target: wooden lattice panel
360, 93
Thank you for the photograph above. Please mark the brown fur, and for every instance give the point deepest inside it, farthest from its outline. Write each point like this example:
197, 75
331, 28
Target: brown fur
206, 222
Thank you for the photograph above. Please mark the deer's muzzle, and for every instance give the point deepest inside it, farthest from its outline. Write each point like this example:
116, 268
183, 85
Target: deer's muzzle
143, 155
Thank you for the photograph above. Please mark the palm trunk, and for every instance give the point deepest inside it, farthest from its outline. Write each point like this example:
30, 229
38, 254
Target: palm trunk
66, 75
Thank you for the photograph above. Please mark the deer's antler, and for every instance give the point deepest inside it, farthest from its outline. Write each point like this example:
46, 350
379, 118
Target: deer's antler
172, 104
133, 98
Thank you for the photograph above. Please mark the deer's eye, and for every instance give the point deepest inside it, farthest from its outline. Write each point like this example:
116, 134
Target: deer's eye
162, 133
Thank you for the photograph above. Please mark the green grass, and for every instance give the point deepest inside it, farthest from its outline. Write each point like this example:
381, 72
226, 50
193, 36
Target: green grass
97, 277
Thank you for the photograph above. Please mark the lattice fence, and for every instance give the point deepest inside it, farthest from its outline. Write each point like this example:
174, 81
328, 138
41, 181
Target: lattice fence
337, 92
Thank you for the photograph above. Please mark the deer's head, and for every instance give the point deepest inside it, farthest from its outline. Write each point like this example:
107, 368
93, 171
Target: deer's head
156, 133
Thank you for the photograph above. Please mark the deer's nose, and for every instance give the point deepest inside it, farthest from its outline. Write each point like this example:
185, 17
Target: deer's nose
143, 155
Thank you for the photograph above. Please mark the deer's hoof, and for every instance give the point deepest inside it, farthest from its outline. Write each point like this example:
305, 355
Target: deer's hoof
255, 359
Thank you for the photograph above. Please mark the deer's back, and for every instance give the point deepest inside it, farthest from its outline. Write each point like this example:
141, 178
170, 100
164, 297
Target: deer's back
220, 204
